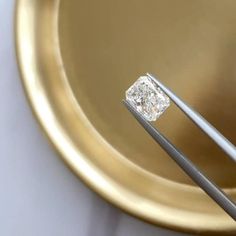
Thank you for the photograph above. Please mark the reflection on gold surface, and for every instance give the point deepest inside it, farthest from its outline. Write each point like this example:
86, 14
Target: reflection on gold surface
77, 58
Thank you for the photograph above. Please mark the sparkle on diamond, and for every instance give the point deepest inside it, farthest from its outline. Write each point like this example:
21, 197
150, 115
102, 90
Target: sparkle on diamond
147, 98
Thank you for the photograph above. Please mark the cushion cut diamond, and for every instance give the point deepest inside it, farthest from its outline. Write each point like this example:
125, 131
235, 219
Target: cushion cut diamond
147, 98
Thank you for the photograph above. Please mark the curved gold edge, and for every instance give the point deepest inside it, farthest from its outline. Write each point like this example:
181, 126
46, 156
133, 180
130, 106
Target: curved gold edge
87, 181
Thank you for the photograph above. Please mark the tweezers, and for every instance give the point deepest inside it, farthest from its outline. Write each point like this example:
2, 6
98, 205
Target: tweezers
180, 158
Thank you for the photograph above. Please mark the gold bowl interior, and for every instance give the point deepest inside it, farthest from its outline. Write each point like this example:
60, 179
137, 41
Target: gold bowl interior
190, 45
77, 59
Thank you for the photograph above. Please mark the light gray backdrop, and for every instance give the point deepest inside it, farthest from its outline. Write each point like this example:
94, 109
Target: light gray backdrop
39, 196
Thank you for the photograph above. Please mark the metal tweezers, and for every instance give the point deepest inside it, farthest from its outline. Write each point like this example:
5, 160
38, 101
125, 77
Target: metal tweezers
193, 172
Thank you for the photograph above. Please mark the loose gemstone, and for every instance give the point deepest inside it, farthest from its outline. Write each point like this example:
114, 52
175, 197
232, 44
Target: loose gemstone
147, 98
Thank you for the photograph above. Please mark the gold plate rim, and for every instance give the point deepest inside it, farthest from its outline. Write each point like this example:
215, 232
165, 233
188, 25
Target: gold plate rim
22, 26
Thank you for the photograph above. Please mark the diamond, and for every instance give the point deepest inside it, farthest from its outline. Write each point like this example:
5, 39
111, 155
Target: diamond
147, 98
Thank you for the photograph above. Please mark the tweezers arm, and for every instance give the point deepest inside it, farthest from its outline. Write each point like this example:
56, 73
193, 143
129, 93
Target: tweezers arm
196, 175
202, 123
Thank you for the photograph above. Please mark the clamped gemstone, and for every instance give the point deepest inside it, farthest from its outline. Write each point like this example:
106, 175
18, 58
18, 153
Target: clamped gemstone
147, 98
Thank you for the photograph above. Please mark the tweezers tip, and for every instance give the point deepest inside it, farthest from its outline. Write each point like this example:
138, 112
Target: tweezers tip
153, 78
127, 104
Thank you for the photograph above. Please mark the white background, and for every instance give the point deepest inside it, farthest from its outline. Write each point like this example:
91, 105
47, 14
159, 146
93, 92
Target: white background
39, 195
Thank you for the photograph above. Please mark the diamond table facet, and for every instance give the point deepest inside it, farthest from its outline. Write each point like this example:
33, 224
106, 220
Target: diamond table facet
147, 98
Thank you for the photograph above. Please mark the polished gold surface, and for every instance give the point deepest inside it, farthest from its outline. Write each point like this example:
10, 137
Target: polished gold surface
77, 58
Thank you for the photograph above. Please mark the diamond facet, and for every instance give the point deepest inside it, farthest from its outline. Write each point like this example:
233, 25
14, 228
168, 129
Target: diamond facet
147, 98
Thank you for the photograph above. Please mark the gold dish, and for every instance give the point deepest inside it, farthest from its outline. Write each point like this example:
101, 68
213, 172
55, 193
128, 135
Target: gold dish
76, 56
